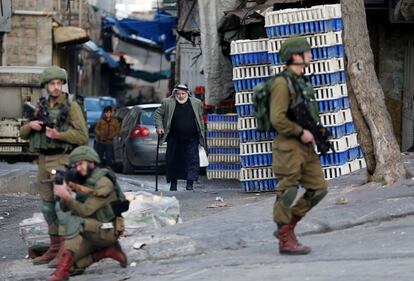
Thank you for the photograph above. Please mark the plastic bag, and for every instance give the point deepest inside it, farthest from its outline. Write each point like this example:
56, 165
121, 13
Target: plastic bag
148, 211
203, 156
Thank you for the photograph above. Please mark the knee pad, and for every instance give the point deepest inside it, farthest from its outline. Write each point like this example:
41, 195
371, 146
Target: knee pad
48, 210
315, 196
288, 196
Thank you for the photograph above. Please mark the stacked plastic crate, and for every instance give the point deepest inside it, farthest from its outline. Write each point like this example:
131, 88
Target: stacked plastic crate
251, 67
223, 147
322, 26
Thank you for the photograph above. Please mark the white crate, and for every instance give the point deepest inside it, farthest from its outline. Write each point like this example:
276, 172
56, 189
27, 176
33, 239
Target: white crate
248, 46
345, 143
357, 164
290, 16
247, 72
223, 174
248, 174
332, 92
223, 142
251, 148
221, 126
246, 123
315, 41
337, 118
336, 171
244, 98
315, 67
224, 158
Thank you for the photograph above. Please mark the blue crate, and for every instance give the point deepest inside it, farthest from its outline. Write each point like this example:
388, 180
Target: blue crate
349, 128
241, 85
304, 28
259, 185
253, 135
360, 152
224, 166
249, 59
244, 110
224, 150
353, 153
334, 159
222, 118
325, 79
337, 131
222, 134
322, 53
345, 103
256, 160
333, 105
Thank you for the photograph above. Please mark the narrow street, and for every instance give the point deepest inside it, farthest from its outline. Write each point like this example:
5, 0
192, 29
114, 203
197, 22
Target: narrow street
368, 238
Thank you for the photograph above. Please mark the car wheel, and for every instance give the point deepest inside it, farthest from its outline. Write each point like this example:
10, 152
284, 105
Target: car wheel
127, 168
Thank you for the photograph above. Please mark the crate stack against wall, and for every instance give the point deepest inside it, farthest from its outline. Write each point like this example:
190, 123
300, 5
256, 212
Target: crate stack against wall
223, 147
251, 67
322, 26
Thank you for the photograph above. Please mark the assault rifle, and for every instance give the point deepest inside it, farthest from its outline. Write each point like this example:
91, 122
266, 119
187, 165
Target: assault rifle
41, 113
69, 176
302, 116
319, 132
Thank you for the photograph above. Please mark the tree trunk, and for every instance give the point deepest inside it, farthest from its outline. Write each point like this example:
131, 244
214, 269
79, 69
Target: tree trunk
369, 96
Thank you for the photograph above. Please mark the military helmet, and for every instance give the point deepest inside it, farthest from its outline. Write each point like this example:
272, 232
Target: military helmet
53, 73
296, 45
84, 152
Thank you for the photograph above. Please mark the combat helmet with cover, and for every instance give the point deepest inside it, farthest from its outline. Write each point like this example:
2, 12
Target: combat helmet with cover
53, 72
84, 152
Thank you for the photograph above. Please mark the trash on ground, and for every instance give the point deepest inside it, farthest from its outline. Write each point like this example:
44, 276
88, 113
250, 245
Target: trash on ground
148, 211
341, 201
139, 245
34, 231
219, 203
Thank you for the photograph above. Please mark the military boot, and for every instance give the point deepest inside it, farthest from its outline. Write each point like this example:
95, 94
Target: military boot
114, 252
173, 185
288, 245
189, 185
62, 271
53, 263
50, 254
293, 223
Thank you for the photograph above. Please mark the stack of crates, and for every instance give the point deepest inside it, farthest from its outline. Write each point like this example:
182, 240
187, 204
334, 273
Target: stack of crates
251, 67
322, 26
223, 147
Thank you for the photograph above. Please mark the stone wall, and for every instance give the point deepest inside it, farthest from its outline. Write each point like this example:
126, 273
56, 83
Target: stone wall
29, 42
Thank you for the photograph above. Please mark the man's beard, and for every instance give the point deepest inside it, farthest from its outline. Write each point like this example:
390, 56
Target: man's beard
182, 101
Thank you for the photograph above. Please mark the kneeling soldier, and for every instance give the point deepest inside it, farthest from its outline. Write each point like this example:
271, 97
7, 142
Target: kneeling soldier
93, 227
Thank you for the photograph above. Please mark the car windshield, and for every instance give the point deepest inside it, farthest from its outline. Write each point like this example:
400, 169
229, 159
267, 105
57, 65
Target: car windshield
92, 105
106, 103
147, 117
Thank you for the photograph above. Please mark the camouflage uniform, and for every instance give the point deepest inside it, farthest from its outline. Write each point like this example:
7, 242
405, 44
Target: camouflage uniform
294, 162
53, 154
87, 240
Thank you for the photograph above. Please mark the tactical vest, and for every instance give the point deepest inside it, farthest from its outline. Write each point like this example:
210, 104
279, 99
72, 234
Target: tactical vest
301, 85
59, 116
104, 214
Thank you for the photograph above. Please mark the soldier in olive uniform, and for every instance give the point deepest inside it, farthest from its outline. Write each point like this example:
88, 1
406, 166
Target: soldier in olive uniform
93, 228
54, 145
294, 158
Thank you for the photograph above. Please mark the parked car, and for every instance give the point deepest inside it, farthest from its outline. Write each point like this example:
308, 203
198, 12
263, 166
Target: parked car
93, 112
136, 146
108, 101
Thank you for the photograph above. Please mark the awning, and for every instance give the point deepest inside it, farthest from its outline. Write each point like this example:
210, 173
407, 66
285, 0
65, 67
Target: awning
156, 34
150, 76
99, 52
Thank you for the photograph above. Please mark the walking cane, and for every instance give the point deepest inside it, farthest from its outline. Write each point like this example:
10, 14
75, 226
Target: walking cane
156, 162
